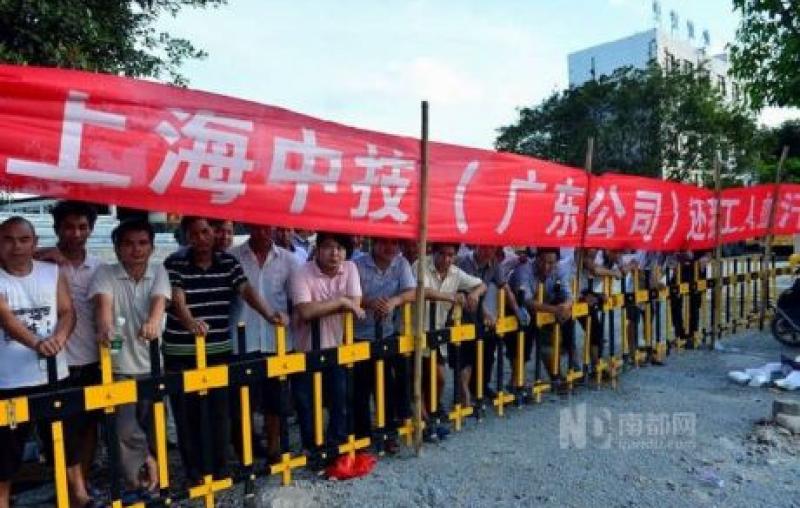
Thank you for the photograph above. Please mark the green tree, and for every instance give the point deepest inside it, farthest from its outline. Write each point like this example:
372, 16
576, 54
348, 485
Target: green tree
766, 54
644, 121
771, 143
117, 37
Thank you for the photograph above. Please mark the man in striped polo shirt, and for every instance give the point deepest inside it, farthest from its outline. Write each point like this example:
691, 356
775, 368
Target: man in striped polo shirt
204, 283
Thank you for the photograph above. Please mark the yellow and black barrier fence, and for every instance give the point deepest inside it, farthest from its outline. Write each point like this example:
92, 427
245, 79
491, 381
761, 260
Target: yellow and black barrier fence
636, 324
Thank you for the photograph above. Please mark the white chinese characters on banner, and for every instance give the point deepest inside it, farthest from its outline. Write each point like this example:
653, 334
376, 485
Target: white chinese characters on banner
603, 213
461, 191
789, 206
758, 218
68, 169
675, 218
565, 211
305, 175
217, 159
646, 213
393, 186
726, 208
518, 184
698, 218
703, 218
711, 230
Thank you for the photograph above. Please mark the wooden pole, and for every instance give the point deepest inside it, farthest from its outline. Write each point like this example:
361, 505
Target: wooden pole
422, 241
769, 239
576, 290
579, 260
717, 292
588, 166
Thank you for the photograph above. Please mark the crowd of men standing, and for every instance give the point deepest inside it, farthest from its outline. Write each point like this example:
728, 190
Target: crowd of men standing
64, 303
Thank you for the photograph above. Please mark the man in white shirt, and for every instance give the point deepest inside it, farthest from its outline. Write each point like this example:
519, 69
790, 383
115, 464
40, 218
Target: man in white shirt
36, 319
268, 268
447, 285
130, 297
283, 238
73, 222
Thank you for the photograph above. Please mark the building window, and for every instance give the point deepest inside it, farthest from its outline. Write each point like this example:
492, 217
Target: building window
688, 67
722, 86
735, 91
670, 63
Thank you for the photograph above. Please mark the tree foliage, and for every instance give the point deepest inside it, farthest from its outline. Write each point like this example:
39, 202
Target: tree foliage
117, 37
766, 54
772, 142
644, 121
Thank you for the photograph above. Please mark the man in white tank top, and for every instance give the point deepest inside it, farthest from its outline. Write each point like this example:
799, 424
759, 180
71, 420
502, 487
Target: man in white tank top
36, 319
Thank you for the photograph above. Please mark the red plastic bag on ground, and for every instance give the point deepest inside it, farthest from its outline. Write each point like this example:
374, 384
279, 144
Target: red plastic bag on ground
346, 467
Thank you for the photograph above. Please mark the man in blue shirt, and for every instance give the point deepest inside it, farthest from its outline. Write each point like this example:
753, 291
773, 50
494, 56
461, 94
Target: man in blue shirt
387, 284
484, 262
557, 300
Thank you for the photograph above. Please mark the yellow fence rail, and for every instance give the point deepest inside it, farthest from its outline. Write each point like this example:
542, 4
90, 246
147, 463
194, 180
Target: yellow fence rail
636, 326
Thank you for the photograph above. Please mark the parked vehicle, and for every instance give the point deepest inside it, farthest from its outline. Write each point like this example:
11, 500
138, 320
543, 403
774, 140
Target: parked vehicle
786, 320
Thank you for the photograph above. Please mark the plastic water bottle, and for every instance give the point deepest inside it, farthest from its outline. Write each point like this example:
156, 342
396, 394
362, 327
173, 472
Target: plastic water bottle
116, 341
42, 358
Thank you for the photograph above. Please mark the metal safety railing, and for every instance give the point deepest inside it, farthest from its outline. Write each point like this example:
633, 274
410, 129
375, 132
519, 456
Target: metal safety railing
636, 323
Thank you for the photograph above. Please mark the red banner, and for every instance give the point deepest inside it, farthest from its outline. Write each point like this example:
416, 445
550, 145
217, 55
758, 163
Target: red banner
139, 144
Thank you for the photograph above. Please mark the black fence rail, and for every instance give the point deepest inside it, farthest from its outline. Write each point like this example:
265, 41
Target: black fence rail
636, 325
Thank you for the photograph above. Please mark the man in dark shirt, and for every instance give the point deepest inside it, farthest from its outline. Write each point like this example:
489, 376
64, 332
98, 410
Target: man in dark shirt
556, 300
684, 262
483, 262
204, 282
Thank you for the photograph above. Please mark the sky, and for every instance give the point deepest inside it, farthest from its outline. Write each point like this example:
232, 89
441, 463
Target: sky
369, 63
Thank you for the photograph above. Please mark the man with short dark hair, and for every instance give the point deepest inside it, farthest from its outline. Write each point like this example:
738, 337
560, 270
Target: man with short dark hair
268, 268
322, 290
204, 282
283, 238
682, 265
387, 284
556, 300
484, 262
73, 222
223, 233
306, 239
447, 285
130, 297
36, 319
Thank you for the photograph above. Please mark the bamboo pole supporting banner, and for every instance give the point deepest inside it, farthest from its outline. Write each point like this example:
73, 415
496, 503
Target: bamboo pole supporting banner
762, 313
581, 249
579, 261
717, 247
422, 243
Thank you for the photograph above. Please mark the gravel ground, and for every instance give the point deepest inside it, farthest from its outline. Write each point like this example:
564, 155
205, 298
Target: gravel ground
519, 460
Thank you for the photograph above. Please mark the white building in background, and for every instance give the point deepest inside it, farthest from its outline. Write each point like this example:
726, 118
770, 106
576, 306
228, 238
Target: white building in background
638, 50
670, 52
